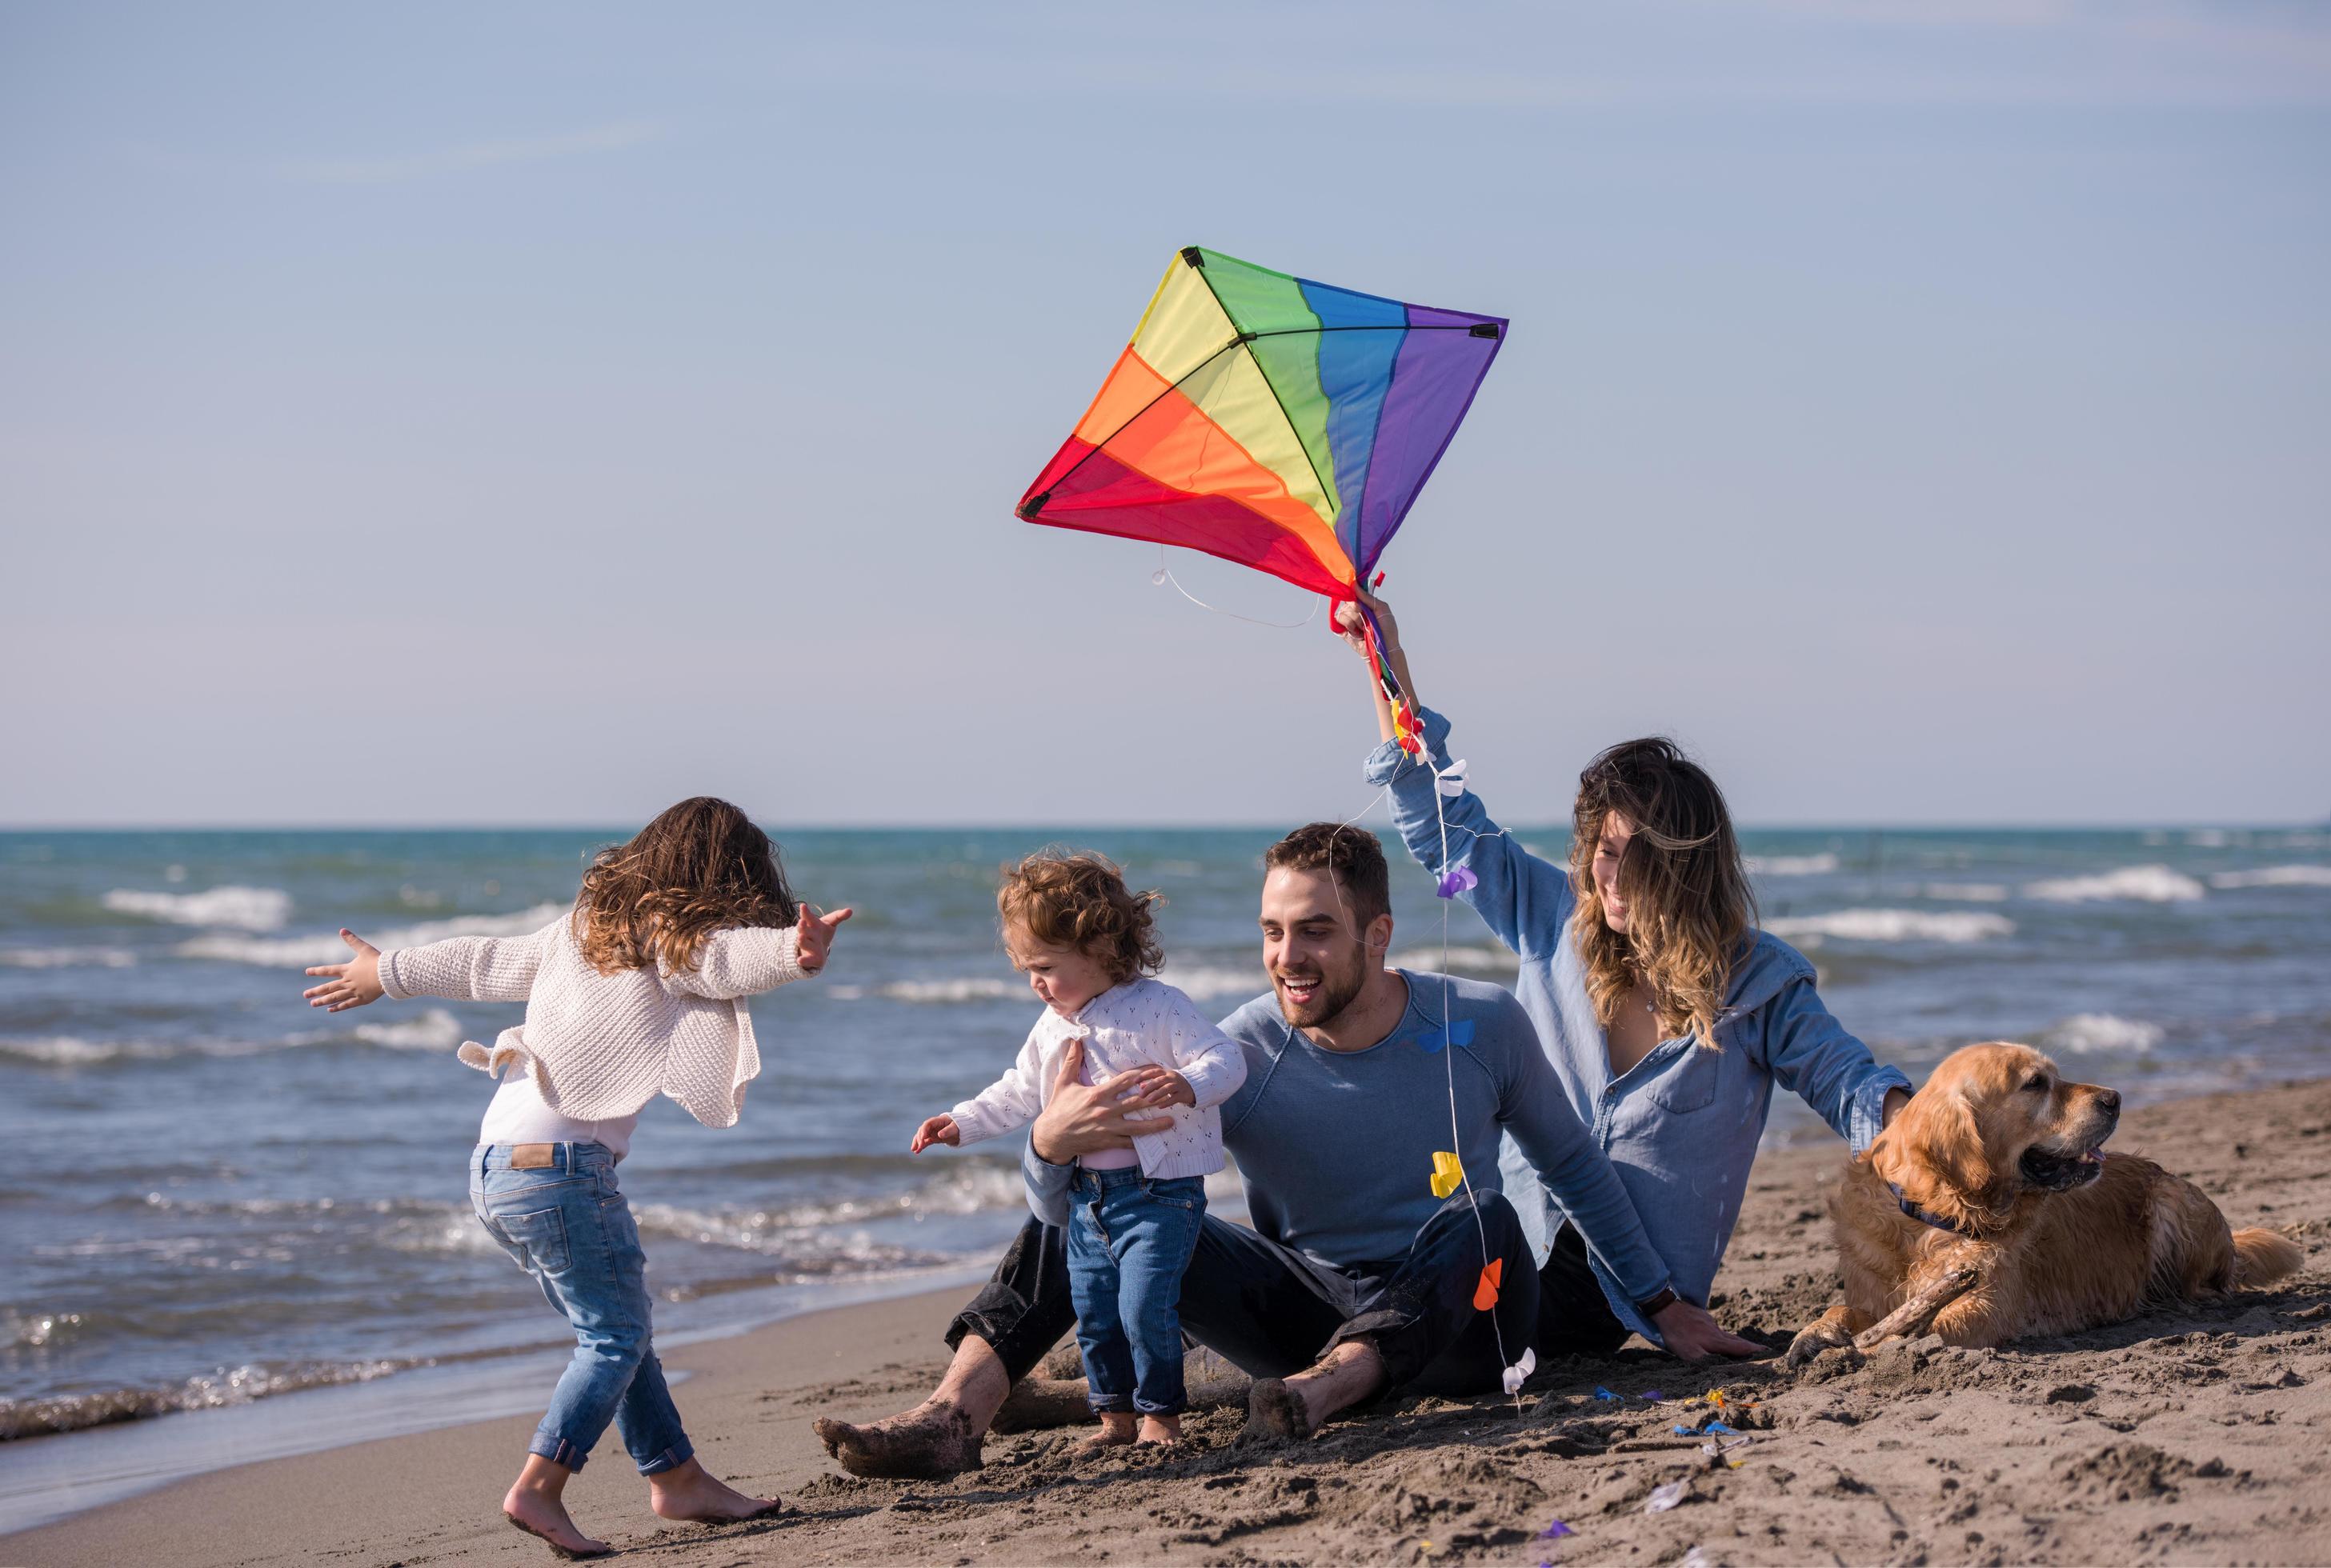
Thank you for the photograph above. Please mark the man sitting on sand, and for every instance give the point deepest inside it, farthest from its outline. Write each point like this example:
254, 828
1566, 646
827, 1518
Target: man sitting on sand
1355, 1279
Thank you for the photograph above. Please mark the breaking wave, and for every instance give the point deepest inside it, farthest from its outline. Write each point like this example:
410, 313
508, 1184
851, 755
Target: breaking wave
2088, 1032
1478, 959
1966, 892
28, 1418
2135, 884
1893, 926
299, 952
67, 958
243, 908
2275, 876
1791, 865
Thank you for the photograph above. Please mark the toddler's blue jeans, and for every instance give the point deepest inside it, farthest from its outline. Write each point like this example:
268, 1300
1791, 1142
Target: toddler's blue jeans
1131, 1238
563, 1220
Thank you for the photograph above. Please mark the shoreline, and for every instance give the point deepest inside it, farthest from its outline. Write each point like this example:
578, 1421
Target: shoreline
53, 1477
2196, 1433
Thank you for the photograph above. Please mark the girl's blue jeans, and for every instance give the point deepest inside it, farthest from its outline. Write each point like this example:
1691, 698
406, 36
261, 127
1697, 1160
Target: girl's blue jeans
1131, 1238
565, 1223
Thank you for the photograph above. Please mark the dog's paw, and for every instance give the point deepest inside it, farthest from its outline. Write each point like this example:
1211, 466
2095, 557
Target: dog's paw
1812, 1340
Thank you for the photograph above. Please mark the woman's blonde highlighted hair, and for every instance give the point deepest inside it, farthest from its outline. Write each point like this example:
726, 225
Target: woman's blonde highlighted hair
1688, 903
701, 866
1080, 900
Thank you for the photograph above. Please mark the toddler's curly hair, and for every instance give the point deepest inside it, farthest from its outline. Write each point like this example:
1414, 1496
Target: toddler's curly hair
1076, 898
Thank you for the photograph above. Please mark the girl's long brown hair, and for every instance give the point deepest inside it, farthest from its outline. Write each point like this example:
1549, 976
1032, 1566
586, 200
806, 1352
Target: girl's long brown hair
700, 868
1687, 892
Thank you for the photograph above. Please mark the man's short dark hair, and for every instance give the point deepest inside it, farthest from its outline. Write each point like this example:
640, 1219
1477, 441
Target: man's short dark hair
1350, 855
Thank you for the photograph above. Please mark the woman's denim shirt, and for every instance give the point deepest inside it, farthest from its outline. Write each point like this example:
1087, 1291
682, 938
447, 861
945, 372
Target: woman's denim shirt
1682, 1125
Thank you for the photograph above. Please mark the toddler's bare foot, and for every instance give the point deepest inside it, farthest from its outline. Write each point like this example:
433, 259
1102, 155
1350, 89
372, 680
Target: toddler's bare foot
1115, 1430
541, 1513
931, 1441
691, 1494
1163, 1430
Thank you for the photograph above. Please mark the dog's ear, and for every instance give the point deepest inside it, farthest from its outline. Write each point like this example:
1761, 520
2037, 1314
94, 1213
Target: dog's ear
1934, 1152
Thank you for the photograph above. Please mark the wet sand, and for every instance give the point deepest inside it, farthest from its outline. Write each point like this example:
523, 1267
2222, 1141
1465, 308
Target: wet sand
2195, 1434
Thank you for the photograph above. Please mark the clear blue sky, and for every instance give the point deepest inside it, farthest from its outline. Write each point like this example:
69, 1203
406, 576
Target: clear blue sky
510, 414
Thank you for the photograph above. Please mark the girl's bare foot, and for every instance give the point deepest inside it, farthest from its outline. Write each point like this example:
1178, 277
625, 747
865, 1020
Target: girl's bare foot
1115, 1430
534, 1504
1163, 1430
690, 1493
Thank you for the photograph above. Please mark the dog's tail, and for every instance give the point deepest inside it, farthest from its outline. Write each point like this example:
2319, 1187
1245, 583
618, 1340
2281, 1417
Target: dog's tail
2261, 1255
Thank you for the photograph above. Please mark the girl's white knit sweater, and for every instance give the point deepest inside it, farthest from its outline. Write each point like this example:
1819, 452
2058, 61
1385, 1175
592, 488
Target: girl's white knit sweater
604, 1045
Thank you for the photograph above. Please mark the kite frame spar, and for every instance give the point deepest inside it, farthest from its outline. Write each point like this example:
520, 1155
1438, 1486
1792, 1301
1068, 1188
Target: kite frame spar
1241, 495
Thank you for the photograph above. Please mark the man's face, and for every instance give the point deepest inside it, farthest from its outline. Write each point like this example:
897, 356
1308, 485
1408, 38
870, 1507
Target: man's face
1317, 960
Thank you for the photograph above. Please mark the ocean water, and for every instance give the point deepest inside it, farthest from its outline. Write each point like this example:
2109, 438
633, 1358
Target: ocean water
213, 1194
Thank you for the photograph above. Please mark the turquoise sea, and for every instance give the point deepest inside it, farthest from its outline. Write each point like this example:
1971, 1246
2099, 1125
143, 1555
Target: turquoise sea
213, 1195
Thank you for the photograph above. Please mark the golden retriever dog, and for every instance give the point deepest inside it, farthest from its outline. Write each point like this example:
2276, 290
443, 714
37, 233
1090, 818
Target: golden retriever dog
1990, 1210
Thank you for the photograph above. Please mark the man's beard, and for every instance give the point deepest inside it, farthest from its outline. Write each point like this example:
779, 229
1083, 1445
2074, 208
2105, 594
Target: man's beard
1337, 991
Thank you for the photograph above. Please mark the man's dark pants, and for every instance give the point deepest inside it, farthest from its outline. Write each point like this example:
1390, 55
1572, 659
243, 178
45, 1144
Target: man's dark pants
1270, 1311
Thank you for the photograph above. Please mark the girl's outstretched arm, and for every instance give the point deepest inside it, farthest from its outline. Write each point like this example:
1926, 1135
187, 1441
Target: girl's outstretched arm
747, 960
465, 968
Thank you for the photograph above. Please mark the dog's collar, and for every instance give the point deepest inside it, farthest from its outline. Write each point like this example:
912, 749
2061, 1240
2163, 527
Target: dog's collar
1925, 1216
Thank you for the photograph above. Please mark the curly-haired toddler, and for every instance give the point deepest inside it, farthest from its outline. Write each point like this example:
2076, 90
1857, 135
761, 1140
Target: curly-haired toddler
1085, 943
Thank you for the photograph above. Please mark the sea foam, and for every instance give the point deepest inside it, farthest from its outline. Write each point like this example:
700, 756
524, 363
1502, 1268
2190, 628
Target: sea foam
67, 958
240, 909
2089, 1031
299, 952
1894, 926
2275, 876
2133, 884
1791, 865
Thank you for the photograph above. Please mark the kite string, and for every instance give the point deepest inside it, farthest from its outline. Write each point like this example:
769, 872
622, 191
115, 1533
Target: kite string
1164, 575
1449, 1058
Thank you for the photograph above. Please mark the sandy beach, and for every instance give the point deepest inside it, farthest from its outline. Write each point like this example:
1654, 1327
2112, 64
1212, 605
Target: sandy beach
2197, 1434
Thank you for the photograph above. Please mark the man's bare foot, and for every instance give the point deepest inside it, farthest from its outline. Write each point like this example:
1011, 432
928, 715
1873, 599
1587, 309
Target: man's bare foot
1115, 1430
1163, 1431
534, 1504
1350, 1371
689, 1493
931, 1441
1275, 1411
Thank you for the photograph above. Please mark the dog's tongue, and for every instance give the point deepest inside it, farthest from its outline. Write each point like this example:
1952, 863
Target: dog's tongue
2093, 1157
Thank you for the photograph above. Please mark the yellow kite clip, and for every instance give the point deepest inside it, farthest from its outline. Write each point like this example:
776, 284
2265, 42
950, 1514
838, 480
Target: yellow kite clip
1447, 1173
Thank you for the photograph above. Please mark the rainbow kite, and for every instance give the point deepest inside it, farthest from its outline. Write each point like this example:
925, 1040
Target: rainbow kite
1269, 420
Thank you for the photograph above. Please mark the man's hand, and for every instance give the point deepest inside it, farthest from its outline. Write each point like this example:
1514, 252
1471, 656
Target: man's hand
1690, 1333
938, 1130
1149, 1081
813, 937
351, 985
1896, 1099
1085, 1119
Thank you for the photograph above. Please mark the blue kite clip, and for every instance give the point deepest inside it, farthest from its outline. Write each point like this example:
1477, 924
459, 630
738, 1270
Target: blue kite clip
1458, 1033
1602, 1392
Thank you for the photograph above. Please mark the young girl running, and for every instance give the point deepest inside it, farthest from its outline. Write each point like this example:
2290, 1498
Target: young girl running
1085, 942
640, 991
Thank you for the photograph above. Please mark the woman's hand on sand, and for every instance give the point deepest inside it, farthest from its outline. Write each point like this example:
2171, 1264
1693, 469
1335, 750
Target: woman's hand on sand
1152, 1085
936, 1130
813, 937
1081, 1118
1690, 1333
351, 985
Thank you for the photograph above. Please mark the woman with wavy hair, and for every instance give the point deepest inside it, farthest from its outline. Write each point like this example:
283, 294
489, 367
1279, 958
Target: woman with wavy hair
1670, 1017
